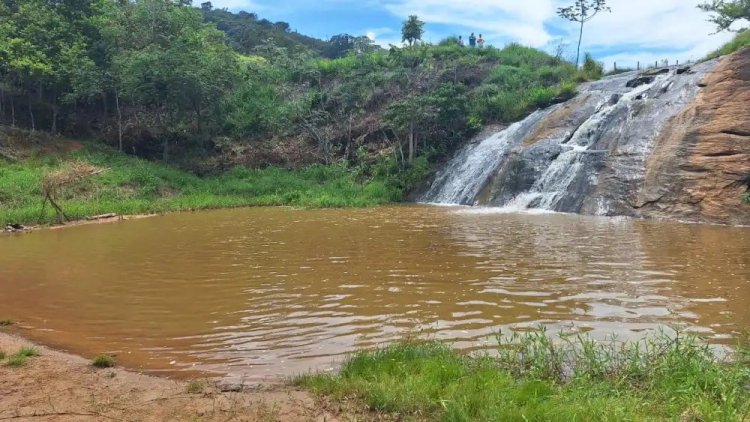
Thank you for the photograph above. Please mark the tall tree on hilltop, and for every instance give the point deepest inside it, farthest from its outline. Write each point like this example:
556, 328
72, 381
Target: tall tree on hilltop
412, 30
726, 13
582, 11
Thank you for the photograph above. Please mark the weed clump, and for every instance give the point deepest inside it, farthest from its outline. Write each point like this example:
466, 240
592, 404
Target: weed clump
195, 387
103, 361
6, 323
28, 352
16, 361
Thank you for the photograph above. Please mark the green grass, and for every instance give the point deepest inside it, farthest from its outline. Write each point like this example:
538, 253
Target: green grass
739, 42
135, 186
21, 357
2, 355
16, 361
28, 352
532, 378
103, 361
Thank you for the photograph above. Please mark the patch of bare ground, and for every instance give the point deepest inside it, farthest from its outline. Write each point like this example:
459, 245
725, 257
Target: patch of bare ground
56, 386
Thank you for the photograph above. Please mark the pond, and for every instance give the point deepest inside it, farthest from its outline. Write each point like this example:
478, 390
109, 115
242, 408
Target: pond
259, 293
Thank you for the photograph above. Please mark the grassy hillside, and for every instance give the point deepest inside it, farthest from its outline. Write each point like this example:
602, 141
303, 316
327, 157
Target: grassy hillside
131, 185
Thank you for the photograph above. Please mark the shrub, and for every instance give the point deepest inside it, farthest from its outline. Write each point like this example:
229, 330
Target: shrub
5, 323
2, 355
103, 361
591, 68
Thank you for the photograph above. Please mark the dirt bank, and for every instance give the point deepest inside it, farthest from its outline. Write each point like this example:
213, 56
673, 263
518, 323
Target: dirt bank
61, 387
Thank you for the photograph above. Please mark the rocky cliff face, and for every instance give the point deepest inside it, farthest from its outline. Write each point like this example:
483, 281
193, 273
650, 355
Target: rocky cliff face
671, 142
700, 167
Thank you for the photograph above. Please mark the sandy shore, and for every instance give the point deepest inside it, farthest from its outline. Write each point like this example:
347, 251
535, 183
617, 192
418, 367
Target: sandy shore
58, 386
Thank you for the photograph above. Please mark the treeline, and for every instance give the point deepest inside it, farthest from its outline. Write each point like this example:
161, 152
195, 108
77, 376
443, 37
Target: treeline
161, 79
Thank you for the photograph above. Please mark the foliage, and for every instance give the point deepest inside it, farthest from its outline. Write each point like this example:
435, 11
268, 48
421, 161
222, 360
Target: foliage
725, 13
103, 361
533, 377
6, 323
2, 355
746, 198
412, 30
591, 68
582, 11
740, 41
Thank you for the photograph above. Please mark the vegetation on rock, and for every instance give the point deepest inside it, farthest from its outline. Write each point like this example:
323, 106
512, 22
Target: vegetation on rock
740, 41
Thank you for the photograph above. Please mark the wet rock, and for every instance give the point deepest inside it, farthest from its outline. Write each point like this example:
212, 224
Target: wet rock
655, 72
682, 70
641, 80
700, 167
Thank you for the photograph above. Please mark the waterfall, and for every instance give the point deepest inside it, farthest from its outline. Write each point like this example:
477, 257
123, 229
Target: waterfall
460, 181
587, 155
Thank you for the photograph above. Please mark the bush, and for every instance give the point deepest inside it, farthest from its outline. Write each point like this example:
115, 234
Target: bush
103, 361
592, 69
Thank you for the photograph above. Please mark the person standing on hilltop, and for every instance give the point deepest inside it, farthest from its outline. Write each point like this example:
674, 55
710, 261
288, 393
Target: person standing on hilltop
472, 40
480, 41
460, 41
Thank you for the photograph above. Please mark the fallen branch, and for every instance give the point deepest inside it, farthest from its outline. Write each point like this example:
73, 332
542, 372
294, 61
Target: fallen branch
101, 216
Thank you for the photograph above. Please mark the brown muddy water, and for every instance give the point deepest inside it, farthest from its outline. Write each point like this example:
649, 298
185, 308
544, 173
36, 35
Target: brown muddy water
257, 293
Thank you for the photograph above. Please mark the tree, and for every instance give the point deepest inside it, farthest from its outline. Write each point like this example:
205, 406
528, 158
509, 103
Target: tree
412, 30
726, 13
582, 11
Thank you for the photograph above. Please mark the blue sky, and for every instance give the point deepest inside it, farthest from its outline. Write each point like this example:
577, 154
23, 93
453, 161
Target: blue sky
636, 30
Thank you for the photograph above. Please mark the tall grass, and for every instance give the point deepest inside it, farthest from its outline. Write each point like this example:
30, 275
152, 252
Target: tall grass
135, 186
532, 377
739, 42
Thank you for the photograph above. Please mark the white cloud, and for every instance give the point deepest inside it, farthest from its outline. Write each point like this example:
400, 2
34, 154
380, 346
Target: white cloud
498, 19
635, 30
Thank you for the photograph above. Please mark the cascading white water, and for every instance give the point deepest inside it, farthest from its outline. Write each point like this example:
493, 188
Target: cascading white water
553, 185
467, 173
